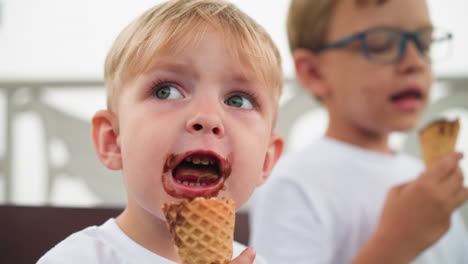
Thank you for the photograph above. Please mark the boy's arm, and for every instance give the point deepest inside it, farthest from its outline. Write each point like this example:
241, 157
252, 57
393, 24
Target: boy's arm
416, 214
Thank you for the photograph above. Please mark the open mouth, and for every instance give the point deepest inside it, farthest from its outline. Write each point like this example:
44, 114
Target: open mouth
195, 174
198, 170
413, 94
408, 100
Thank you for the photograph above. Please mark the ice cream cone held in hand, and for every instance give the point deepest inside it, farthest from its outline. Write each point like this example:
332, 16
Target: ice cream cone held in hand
202, 229
438, 139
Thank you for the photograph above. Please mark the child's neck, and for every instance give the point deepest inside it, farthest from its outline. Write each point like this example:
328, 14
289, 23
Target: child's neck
359, 137
148, 231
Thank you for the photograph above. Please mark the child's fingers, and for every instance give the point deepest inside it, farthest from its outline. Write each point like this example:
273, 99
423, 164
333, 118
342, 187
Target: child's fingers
461, 197
246, 257
458, 180
444, 167
396, 189
453, 183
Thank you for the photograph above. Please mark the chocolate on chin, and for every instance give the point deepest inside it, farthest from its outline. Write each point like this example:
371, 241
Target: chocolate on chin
438, 139
202, 229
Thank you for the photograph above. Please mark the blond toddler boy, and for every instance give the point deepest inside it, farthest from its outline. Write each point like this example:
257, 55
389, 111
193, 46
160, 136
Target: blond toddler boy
192, 90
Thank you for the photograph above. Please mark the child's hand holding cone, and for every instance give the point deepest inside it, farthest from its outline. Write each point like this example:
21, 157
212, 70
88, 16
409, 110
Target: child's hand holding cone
418, 213
438, 140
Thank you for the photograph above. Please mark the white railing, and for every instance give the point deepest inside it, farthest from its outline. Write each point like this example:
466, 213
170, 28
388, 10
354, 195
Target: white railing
59, 128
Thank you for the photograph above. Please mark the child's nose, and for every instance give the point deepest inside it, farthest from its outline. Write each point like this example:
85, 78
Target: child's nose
206, 123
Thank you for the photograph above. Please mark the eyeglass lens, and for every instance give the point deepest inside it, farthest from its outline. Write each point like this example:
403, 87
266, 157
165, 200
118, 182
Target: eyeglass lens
385, 45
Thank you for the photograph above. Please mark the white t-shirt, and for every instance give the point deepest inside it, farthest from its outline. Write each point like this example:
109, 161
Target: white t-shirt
108, 244
322, 204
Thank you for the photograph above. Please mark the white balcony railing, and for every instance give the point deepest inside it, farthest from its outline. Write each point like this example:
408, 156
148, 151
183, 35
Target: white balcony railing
58, 129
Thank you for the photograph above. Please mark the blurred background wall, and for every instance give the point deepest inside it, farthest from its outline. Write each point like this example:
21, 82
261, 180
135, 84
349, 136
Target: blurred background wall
51, 67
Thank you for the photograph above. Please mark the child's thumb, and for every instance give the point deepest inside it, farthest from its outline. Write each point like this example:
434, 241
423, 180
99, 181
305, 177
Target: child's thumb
397, 189
246, 257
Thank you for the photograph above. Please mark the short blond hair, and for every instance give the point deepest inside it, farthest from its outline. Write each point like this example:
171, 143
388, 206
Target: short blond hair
176, 24
308, 21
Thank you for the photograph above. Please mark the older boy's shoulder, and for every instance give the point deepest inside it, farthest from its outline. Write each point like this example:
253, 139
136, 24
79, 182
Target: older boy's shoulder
317, 154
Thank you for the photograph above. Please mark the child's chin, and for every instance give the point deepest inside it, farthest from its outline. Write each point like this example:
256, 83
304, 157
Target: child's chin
405, 127
405, 123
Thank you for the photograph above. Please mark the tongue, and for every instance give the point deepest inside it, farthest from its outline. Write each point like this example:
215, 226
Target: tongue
201, 174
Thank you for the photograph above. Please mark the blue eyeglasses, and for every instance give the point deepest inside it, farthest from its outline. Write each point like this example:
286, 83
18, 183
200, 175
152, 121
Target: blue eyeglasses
388, 45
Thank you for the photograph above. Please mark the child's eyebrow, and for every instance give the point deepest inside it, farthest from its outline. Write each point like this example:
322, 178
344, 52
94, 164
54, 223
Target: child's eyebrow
239, 77
174, 67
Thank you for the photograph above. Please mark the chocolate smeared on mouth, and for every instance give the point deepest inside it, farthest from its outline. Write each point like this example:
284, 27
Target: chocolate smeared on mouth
197, 170
169, 163
196, 174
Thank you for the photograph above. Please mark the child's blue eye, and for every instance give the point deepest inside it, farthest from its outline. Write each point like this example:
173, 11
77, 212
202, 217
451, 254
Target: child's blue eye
239, 101
167, 92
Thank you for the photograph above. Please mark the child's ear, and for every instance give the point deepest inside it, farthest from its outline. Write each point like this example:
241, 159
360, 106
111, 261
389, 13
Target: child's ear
308, 72
273, 153
106, 139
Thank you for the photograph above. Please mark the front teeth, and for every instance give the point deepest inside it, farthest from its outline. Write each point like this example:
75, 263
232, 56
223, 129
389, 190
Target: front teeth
200, 160
192, 183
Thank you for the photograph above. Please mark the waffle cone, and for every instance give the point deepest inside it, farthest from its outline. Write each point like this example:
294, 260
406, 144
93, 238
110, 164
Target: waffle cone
438, 139
202, 229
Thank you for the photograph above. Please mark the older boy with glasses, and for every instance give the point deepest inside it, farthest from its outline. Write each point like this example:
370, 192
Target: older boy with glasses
349, 197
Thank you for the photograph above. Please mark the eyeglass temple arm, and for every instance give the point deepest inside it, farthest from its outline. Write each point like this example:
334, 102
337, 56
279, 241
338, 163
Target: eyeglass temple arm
340, 43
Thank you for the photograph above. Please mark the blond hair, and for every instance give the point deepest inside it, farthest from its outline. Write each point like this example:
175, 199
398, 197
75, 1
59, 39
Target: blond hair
308, 21
176, 24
